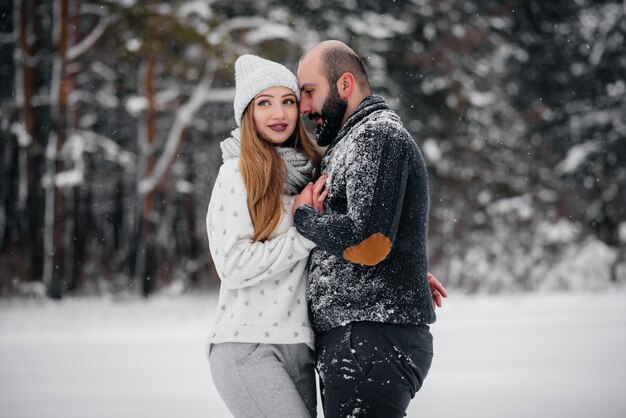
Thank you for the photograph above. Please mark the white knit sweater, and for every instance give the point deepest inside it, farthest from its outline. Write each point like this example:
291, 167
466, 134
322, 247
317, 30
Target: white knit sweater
262, 294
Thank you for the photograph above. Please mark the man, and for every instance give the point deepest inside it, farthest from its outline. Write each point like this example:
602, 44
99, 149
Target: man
369, 297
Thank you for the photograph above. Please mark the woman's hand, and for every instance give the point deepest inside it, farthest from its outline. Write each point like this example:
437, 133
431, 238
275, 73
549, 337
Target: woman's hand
304, 198
437, 290
318, 195
312, 195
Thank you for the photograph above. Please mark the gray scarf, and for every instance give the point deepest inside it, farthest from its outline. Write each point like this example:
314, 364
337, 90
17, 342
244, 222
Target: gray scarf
299, 167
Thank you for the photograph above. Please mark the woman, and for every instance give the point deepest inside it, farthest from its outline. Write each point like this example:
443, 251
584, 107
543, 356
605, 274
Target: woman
260, 349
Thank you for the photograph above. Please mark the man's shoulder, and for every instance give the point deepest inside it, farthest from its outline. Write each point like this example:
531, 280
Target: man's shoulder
383, 126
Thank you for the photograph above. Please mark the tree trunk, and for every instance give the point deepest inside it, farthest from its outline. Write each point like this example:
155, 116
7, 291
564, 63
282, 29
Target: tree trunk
31, 197
146, 260
74, 234
54, 268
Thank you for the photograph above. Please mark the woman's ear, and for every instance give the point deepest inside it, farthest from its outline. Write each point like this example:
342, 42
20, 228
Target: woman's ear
345, 85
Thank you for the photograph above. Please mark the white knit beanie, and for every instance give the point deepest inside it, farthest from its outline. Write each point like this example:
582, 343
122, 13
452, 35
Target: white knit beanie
254, 74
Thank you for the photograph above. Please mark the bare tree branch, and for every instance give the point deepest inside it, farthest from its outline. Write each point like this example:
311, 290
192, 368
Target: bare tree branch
184, 115
90, 40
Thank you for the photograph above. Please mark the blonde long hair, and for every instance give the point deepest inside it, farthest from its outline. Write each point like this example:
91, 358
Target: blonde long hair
264, 172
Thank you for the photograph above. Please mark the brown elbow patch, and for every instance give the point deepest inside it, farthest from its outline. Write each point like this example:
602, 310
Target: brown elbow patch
370, 251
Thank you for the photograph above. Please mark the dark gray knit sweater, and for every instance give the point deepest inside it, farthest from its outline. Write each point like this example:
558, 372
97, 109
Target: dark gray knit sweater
371, 260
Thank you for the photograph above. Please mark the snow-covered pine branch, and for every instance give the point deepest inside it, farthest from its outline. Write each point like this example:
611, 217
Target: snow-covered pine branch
89, 141
200, 96
221, 95
612, 16
90, 40
81, 142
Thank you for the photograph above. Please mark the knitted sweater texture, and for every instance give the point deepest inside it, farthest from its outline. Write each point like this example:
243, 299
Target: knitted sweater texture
262, 293
370, 263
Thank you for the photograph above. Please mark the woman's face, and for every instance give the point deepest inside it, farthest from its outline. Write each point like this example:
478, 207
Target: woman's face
275, 114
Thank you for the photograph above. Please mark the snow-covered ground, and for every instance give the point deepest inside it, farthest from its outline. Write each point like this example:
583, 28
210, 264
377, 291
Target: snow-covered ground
532, 355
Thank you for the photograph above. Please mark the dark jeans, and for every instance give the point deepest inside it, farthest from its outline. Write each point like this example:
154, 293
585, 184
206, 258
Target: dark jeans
370, 369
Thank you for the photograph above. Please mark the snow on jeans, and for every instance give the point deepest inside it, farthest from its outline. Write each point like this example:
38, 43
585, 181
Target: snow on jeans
370, 369
265, 380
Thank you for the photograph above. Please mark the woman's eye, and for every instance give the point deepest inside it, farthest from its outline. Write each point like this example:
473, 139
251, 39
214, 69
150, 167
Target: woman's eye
289, 101
263, 103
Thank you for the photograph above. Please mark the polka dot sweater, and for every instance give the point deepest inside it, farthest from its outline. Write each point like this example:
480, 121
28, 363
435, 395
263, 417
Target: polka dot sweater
262, 295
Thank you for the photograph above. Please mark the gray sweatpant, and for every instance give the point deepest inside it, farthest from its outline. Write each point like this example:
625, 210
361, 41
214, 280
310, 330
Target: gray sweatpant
265, 380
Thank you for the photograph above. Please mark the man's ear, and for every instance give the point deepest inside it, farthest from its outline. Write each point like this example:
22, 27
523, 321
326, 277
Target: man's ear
346, 85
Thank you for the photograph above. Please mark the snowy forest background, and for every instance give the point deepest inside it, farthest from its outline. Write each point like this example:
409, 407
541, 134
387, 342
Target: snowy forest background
111, 113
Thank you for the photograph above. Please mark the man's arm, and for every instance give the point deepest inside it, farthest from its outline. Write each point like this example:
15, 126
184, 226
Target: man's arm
377, 171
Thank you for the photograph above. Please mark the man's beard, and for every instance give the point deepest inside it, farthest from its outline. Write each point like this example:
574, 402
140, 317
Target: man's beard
333, 110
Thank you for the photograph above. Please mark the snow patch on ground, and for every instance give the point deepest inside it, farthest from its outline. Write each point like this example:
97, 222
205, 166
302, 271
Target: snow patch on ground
540, 354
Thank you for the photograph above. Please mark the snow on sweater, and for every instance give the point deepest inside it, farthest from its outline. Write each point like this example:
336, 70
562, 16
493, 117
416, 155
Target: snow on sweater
371, 260
262, 294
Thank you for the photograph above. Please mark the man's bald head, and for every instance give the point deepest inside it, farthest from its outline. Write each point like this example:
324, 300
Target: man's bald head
336, 58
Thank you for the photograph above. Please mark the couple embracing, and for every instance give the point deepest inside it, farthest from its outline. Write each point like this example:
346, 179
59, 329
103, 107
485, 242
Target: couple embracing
320, 246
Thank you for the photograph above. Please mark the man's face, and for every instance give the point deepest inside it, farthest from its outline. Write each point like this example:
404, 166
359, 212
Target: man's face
320, 101
332, 113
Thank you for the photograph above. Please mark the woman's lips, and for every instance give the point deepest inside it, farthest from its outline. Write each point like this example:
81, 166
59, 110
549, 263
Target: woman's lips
278, 127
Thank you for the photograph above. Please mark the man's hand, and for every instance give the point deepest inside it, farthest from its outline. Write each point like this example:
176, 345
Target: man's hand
304, 198
318, 195
437, 290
